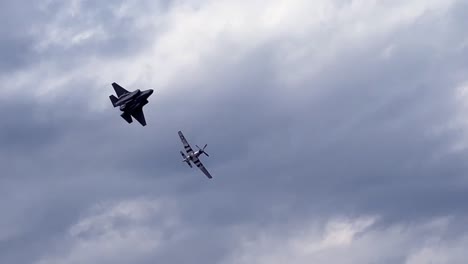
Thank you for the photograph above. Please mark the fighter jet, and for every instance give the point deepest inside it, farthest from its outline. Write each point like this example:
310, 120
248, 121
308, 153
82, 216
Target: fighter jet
193, 156
131, 103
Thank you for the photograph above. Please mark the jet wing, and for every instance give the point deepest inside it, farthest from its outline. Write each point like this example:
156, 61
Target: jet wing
202, 168
139, 116
187, 147
127, 117
119, 90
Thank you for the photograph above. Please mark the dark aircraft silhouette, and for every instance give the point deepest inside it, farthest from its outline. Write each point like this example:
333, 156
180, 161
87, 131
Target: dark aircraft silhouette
131, 103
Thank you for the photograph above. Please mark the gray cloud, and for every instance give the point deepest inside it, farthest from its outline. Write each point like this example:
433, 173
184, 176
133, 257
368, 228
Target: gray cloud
369, 133
16, 45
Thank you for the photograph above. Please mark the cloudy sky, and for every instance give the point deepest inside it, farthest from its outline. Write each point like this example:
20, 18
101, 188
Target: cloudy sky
337, 132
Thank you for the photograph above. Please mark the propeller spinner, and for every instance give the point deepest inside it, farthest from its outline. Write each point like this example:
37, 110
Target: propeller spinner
202, 150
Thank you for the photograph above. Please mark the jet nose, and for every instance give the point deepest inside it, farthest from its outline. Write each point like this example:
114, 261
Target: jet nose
148, 93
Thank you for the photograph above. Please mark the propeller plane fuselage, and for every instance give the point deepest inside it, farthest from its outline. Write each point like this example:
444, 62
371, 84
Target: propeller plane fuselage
194, 155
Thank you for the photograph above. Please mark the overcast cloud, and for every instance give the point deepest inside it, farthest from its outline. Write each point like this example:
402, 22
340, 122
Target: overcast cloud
336, 132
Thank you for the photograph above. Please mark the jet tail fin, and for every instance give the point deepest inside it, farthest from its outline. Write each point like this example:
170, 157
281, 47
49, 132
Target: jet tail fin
113, 100
127, 117
119, 90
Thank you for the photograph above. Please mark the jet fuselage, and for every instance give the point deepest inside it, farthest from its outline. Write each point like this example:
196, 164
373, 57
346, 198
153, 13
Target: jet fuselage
133, 100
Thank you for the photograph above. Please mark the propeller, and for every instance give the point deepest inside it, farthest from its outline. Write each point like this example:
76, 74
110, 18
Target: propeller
203, 149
